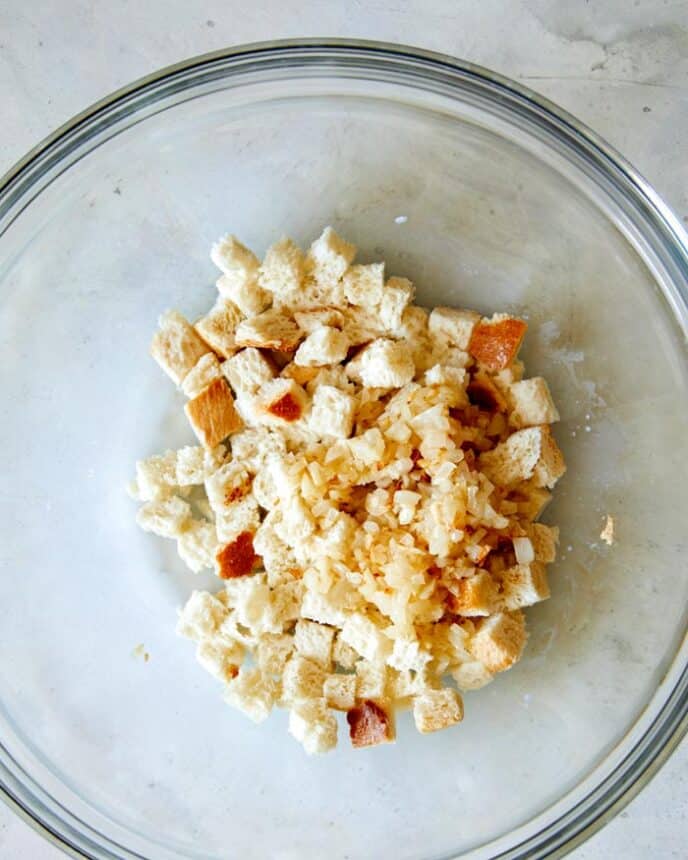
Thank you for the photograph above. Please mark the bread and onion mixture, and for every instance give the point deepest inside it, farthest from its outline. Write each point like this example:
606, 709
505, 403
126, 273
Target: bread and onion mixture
367, 486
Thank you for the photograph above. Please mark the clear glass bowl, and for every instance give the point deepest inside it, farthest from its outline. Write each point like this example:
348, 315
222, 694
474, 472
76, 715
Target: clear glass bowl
509, 203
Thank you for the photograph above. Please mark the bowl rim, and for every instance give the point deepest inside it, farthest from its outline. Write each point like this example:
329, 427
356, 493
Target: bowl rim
652, 749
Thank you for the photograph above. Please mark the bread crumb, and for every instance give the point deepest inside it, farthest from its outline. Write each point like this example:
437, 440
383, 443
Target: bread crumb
607, 533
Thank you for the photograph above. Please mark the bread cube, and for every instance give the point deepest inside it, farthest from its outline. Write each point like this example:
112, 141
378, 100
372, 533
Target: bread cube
532, 403
544, 539
247, 370
526, 454
280, 402
310, 319
205, 371
437, 709
196, 463
176, 346
271, 329
313, 725
524, 585
371, 680
332, 412
156, 476
273, 651
396, 297
382, 364
370, 725
477, 595
212, 414
444, 374
218, 326
314, 641
340, 691
252, 693
368, 448
230, 256
363, 285
201, 616
321, 608
198, 545
282, 270
342, 653
366, 638
500, 641
471, 675
329, 257
220, 657
407, 654
455, 326
166, 517
239, 281
495, 342
302, 679
323, 346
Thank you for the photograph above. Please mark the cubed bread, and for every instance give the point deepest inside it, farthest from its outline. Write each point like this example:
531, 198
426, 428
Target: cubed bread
302, 679
282, 270
343, 654
437, 709
230, 256
340, 691
218, 326
363, 285
314, 641
444, 374
366, 638
526, 454
332, 412
382, 364
396, 297
196, 463
205, 371
247, 370
323, 609
197, 545
471, 675
371, 680
500, 641
273, 651
523, 585
252, 693
201, 616
329, 257
156, 476
532, 403
212, 414
310, 319
313, 725
280, 402
544, 540
271, 329
454, 325
495, 342
301, 375
370, 724
408, 654
176, 346
477, 595
167, 517
325, 345
220, 657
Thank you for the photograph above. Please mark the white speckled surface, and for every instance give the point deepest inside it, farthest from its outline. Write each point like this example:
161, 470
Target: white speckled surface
621, 67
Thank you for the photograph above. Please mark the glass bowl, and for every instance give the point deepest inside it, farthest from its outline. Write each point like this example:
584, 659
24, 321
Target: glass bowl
486, 196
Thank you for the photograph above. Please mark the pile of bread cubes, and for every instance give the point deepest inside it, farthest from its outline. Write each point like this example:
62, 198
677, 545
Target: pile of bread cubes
367, 486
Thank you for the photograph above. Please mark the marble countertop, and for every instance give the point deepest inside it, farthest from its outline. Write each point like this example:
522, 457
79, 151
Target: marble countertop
620, 66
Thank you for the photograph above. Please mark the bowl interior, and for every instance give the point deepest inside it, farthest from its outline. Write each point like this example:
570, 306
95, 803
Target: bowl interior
146, 752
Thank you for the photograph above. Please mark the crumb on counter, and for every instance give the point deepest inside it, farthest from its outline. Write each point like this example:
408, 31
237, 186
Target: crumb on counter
607, 533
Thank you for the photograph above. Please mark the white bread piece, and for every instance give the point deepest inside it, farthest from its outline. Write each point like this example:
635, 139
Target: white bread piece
500, 641
176, 346
302, 679
313, 726
247, 370
363, 284
532, 403
367, 448
231, 257
252, 693
396, 297
343, 654
227, 486
201, 616
526, 454
249, 597
321, 608
371, 680
323, 346
273, 651
445, 374
384, 363
314, 641
271, 329
205, 371
221, 657
245, 294
280, 402
218, 326
329, 257
197, 545
332, 412
278, 559
366, 638
523, 585
471, 675
251, 447
456, 326
408, 655
237, 518
286, 603
402, 686
313, 318
340, 692
544, 539
282, 270
195, 463
156, 477
212, 414
437, 709
168, 517
477, 595
239, 281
